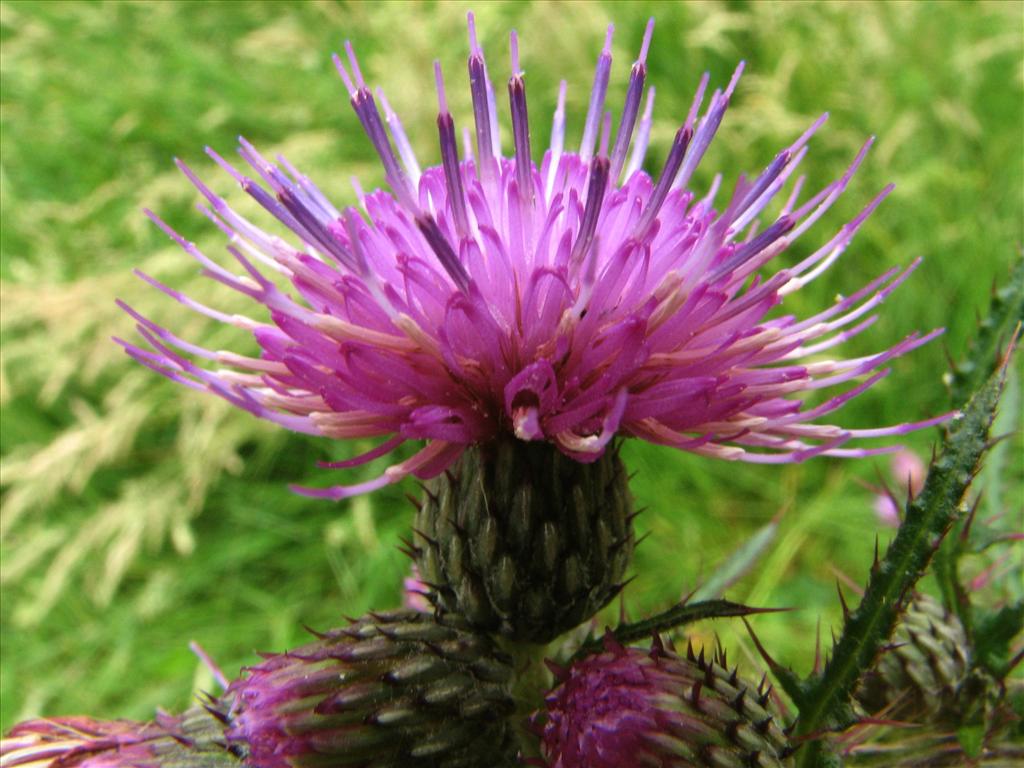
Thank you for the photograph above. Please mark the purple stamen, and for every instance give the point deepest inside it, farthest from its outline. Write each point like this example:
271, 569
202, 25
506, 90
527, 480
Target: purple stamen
443, 249
366, 110
557, 141
520, 126
450, 158
668, 173
708, 127
405, 151
597, 94
595, 196
632, 106
643, 137
606, 132
479, 87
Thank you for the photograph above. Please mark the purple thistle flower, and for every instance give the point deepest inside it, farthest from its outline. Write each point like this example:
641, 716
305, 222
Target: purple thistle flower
631, 706
567, 303
194, 739
392, 689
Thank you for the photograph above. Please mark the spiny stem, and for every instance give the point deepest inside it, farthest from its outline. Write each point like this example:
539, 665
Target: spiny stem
823, 700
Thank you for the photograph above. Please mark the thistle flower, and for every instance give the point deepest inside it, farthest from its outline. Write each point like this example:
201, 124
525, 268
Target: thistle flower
565, 303
393, 690
193, 740
630, 706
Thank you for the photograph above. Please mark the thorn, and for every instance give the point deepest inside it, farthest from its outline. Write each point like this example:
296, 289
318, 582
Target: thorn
773, 665
689, 651
430, 540
417, 503
560, 673
949, 357
611, 644
709, 676
842, 601
322, 635
817, 648
634, 515
216, 714
428, 493
732, 732
622, 585
695, 695
740, 701
657, 647
626, 538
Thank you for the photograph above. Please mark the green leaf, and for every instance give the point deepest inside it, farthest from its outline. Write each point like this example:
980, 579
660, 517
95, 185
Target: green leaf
676, 616
824, 705
971, 739
738, 563
994, 632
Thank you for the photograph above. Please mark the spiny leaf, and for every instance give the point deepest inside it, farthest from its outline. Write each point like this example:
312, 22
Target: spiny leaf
676, 616
824, 704
1005, 312
738, 563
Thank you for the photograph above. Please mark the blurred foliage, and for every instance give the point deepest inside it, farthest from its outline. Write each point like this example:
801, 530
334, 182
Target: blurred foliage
138, 515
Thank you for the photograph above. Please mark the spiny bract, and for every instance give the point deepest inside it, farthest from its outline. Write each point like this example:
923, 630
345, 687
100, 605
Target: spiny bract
522, 540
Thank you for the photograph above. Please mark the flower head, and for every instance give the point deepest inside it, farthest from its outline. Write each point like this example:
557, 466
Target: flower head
392, 689
567, 302
630, 706
194, 739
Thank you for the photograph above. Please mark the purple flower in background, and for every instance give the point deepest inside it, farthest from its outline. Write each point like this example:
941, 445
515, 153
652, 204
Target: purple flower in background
909, 473
567, 303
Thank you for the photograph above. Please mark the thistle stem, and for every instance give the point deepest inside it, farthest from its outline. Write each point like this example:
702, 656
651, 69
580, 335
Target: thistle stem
531, 680
823, 699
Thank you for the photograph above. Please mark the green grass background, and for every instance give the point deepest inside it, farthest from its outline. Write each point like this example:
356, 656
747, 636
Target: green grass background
138, 515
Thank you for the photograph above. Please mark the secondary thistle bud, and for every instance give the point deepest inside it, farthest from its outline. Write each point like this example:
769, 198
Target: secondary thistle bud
917, 679
524, 541
630, 706
192, 740
393, 690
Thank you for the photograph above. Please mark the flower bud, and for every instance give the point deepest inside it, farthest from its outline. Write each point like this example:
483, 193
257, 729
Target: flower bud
393, 690
630, 706
524, 541
918, 677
